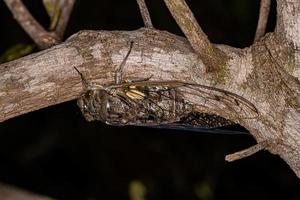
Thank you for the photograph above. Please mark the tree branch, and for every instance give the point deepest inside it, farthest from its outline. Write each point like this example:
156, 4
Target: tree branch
262, 19
145, 13
189, 26
288, 22
37, 33
247, 152
67, 7
48, 78
44, 79
211, 56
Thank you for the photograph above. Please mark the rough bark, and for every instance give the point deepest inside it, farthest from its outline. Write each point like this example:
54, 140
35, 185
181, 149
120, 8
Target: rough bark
266, 74
288, 30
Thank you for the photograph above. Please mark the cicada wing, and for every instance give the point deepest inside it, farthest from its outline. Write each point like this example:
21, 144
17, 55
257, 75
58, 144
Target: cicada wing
168, 102
219, 99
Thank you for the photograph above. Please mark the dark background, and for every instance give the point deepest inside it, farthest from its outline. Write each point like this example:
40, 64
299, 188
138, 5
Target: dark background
55, 152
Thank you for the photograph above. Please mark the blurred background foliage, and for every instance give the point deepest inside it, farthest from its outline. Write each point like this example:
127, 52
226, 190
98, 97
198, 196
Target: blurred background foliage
54, 151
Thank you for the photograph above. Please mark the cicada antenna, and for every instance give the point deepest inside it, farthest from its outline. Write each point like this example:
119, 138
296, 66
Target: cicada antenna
119, 71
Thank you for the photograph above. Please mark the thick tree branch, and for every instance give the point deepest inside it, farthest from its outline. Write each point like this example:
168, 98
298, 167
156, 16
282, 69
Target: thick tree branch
288, 32
145, 13
47, 78
288, 22
37, 33
262, 19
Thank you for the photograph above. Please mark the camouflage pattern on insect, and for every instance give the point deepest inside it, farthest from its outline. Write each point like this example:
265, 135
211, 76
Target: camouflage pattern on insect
156, 103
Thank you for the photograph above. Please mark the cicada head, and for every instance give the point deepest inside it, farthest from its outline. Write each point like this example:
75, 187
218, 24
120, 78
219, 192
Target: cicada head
93, 105
101, 106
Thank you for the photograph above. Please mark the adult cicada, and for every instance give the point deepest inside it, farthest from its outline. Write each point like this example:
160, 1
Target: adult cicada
159, 103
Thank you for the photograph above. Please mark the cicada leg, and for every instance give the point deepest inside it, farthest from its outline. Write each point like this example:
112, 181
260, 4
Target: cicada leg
119, 71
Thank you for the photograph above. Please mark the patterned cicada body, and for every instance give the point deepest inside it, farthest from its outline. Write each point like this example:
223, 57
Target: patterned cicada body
160, 103
152, 103
133, 105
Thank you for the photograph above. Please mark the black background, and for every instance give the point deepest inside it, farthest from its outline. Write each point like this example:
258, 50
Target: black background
54, 151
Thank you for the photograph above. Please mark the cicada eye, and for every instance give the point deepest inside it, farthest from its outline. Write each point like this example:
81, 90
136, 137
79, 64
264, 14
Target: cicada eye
85, 107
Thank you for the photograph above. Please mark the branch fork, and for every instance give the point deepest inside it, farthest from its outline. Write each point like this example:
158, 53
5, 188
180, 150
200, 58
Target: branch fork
42, 38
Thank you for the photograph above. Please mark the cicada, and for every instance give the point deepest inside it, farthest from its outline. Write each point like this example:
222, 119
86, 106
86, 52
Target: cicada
159, 103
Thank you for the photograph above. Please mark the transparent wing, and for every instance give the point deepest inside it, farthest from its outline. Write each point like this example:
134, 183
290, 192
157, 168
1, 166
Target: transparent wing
218, 99
178, 105
200, 95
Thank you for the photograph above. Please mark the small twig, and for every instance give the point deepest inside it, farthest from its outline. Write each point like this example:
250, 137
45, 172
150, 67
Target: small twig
145, 13
247, 152
37, 33
190, 27
263, 19
66, 10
